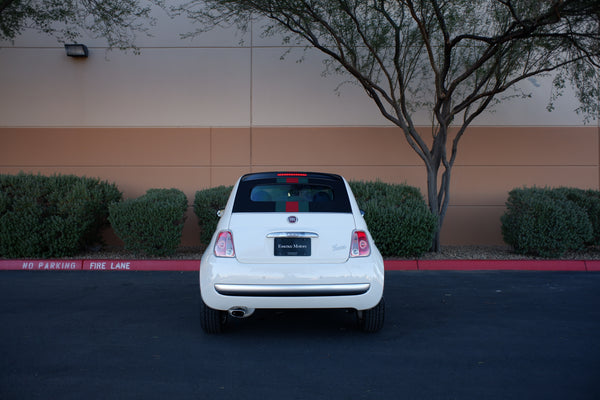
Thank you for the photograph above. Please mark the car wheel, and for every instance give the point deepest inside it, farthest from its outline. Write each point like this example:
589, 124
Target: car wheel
211, 320
371, 320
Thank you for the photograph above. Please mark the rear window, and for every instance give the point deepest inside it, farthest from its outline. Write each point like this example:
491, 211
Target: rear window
273, 193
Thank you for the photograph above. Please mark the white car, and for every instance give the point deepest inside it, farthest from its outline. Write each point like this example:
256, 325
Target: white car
291, 240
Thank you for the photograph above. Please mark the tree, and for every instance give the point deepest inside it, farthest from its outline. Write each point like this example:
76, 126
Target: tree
456, 58
117, 21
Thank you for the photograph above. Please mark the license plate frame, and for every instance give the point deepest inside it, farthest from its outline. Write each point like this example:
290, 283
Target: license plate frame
292, 247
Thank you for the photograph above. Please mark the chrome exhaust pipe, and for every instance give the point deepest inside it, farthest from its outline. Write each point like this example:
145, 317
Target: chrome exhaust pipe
240, 312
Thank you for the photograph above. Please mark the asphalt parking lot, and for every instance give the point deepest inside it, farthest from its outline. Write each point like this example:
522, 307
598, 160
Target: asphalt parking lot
448, 335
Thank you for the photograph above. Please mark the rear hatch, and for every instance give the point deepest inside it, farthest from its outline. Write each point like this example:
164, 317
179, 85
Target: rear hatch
292, 218
265, 238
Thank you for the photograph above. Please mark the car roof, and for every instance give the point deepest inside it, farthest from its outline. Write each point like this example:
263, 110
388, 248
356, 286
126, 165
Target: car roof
290, 174
337, 201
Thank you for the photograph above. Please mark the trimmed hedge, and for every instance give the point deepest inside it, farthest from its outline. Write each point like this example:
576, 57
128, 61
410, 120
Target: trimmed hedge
206, 204
589, 201
52, 216
384, 193
550, 222
151, 224
398, 218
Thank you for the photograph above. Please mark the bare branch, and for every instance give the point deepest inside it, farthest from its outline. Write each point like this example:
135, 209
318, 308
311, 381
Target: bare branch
448, 57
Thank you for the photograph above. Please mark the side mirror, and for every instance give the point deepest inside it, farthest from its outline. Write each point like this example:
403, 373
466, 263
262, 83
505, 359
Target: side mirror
362, 213
220, 213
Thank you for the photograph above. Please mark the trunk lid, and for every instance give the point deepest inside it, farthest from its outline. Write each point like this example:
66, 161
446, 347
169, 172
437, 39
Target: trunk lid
271, 238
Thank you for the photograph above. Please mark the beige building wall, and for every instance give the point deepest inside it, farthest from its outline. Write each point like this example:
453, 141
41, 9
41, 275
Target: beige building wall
493, 161
198, 113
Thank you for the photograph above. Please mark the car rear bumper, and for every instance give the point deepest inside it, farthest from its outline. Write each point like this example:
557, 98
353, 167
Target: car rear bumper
227, 283
345, 289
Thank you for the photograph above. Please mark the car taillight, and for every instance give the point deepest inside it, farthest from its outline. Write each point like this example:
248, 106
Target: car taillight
360, 244
224, 245
291, 174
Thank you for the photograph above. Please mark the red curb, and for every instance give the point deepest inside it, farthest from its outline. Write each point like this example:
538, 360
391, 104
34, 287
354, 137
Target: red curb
593, 265
390, 265
502, 265
401, 265
41, 265
141, 265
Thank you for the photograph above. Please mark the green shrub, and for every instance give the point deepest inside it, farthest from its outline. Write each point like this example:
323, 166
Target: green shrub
397, 216
384, 193
589, 201
54, 216
544, 222
206, 204
151, 224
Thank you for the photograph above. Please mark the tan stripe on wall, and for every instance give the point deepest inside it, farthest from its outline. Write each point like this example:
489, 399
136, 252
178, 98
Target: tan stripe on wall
492, 160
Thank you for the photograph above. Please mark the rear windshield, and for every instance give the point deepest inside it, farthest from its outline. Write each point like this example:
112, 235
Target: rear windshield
292, 194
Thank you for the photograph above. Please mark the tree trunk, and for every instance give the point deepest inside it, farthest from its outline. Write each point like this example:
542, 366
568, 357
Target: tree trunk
432, 199
437, 193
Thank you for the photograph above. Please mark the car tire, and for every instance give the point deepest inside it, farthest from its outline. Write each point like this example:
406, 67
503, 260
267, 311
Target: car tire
372, 320
212, 321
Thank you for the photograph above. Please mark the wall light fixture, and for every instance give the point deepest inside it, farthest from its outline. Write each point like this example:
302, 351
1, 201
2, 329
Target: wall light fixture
76, 50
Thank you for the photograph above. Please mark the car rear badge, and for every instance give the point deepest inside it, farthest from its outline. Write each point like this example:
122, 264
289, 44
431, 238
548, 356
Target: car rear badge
292, 219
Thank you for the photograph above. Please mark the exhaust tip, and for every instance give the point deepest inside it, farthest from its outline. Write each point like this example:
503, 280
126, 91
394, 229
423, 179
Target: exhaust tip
240, 312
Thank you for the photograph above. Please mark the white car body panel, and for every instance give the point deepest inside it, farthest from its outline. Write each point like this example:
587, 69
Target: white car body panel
252, 229
256, 279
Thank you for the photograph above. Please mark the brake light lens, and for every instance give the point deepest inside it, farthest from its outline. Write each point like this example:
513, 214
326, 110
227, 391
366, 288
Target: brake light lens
360, 246
224, 245
291, 174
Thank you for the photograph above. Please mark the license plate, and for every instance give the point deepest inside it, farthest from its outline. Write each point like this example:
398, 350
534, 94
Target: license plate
292, 246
